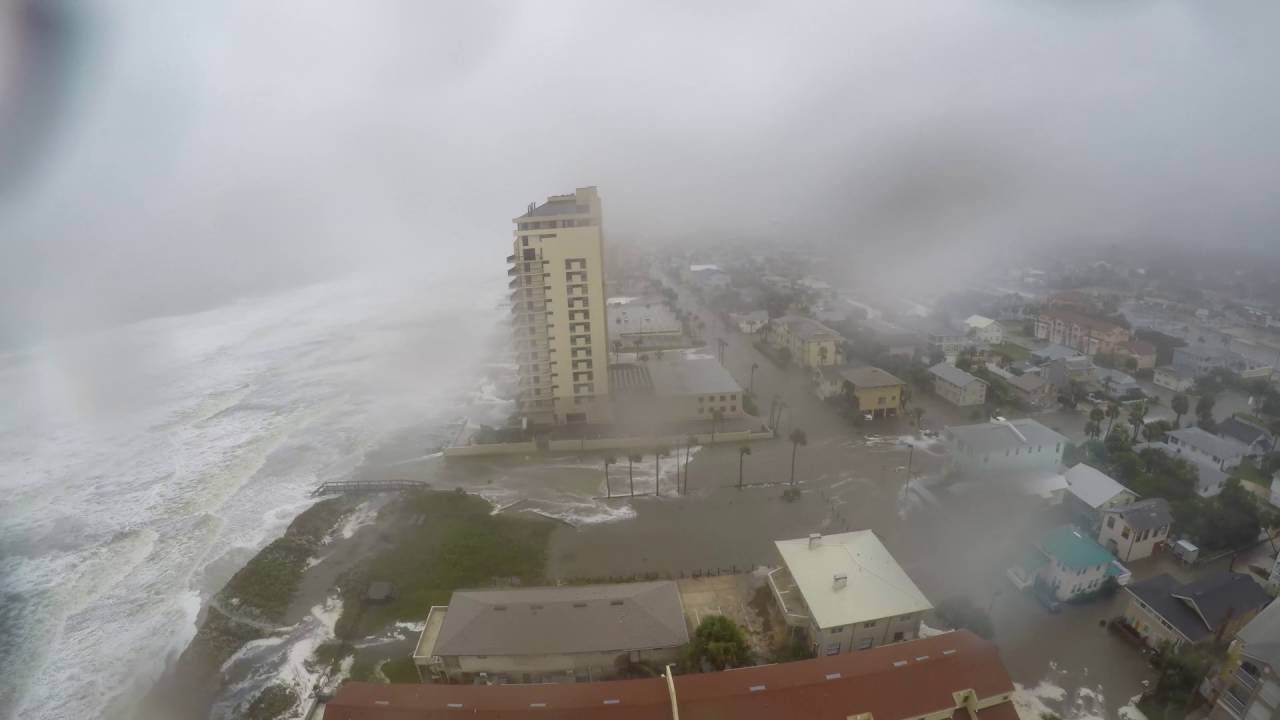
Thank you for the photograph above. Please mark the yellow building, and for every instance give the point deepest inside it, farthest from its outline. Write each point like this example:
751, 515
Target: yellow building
558, 310
810, 343
877, 391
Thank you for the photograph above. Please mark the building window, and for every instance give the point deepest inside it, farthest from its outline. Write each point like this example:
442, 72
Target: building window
869, 624
1111, 521
833, 649
864, 643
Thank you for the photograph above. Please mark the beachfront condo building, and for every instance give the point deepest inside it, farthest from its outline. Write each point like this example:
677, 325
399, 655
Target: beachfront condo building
558, 310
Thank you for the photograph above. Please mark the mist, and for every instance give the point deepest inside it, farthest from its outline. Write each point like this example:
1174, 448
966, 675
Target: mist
176, 157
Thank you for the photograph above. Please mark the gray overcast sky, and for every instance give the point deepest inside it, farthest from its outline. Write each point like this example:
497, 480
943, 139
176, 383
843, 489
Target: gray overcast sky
184, 153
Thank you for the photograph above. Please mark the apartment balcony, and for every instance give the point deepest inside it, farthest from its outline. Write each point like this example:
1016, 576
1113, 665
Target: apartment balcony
529, 294
511, 258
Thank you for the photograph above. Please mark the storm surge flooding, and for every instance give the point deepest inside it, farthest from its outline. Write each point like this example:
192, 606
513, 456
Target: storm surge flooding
142, 465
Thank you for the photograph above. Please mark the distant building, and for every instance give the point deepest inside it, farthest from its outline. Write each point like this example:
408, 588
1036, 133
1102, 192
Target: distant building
1162, 609
949, 342
1249, 687
1051, 352
1198, 360
957, 386
1032, 390
551, 634
708, 277
1141, 352
1117, 384
750, 323
1172, 378
985, 329
1090, 335
847, 592
1023, 445
810, 343
951, 675
1132, 532
1223, 452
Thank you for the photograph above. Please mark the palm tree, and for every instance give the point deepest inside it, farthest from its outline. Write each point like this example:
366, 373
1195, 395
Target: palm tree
658, 454
918, 412
716, 416
637, 343
751, 384
798, 438
742, 453
1113, 412
689, 443
631, 475
1180, 407
1093, 428
607, 462
822, 354
1137, 415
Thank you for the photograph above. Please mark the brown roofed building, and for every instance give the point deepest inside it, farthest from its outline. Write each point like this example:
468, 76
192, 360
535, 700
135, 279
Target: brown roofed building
955, 674
1090, 335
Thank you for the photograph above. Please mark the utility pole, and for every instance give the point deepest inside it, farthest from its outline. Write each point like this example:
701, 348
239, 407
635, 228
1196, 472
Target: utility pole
722, 344
751, 384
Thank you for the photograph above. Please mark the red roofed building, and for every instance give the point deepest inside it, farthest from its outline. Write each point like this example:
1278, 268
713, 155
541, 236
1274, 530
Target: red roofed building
1089, 335
957, 675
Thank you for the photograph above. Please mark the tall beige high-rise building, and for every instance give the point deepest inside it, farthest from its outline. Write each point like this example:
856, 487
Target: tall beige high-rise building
558, 306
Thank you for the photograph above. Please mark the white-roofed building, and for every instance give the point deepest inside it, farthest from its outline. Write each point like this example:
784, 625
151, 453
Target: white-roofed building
847, 591
1002, 448
1093, 491
985, 329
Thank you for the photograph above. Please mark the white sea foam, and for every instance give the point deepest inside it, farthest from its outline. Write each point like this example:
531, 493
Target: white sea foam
135, 460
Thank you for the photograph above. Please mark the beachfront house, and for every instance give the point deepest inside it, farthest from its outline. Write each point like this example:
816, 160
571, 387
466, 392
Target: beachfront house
1162, 609
985, 329
846, 592
810, 343
1133, 531
1256, 438
1064, 563
1223, 453
551, 634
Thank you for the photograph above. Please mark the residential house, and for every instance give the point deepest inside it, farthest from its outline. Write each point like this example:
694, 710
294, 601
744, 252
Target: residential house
1162, 609
949, 342
551, 634
950, 675
751, 322
1249, 687
1092, 492
1063, 371
1257, 440
1141, 352
1065, 564
1173, 378
810, 343
997, 448
957, 386
847, 592
1032, 389
1210, 477
1224, 453
1117, 384
877, 391
985, 329
1133, 531
1052, 352
1090, 335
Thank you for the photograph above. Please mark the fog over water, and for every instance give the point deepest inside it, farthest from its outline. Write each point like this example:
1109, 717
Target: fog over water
241, 242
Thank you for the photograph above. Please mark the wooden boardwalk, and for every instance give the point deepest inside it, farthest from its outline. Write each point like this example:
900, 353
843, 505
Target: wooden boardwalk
343, 487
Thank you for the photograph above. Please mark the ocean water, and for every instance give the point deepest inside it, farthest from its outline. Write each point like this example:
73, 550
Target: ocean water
140, 466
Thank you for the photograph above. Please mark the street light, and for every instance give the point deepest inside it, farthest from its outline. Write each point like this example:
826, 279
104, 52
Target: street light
911, 453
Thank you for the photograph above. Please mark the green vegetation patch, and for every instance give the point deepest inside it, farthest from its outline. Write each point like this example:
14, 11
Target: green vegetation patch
435, 543
1013, 351
273, 702
401, 670
265, 586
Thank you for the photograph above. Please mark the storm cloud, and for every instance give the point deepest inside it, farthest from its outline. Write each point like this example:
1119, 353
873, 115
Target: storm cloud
193, 152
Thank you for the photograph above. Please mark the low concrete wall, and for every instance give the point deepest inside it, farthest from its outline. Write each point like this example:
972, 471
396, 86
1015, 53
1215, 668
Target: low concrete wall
607, 443
522, 448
